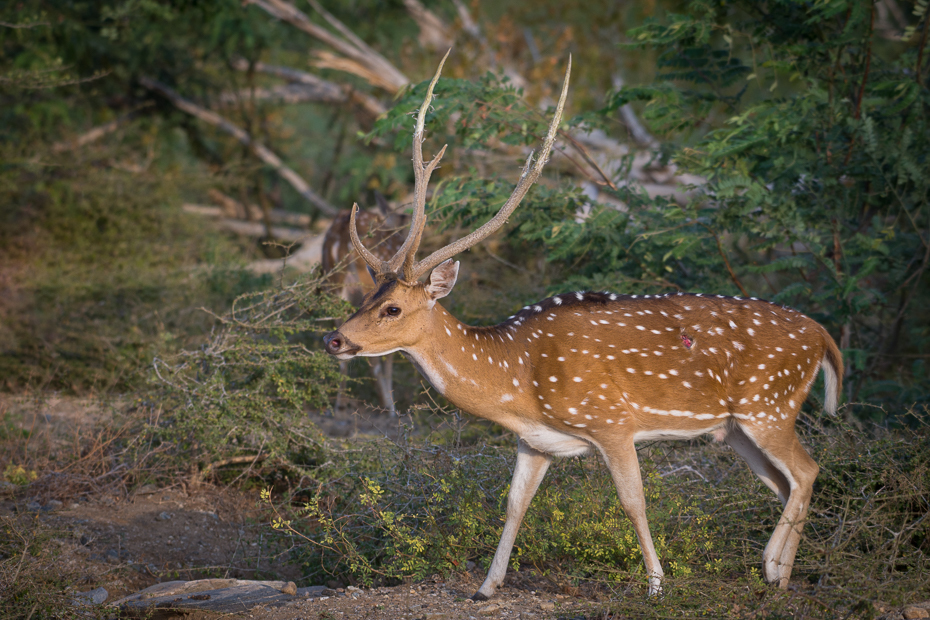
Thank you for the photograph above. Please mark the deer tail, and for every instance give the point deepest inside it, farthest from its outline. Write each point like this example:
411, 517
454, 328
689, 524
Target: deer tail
833, 374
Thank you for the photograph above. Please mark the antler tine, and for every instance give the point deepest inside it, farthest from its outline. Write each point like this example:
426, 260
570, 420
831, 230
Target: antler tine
405, 254
376, 264
526, 181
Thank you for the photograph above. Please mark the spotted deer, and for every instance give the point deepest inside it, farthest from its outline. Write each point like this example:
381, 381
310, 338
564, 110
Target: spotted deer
347, 274
587, 371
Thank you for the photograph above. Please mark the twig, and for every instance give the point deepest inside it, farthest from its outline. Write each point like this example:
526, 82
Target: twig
584, 153
503, 261
920, 49
97, 132
29, 25
865, 78
260, 150
640, 134
726, 261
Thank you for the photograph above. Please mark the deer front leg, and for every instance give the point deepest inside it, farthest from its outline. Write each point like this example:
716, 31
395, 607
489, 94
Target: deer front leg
383, 370
624, 469
527, 474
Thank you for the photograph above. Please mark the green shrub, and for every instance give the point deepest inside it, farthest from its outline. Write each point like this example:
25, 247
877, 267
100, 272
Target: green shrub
391, 512
811, 135
246, 391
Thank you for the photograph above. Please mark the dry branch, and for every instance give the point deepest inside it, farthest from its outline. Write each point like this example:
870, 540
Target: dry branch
434, 32
97, 132
357, 57
315, 88
232, 208
282, 94
640, 134
260, 150
248, 229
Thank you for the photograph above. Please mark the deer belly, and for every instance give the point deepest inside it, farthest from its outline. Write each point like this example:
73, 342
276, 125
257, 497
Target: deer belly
545, 439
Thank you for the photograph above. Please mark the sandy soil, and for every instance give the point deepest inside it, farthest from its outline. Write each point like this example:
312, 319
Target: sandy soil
434, 601
126, 542
159, 535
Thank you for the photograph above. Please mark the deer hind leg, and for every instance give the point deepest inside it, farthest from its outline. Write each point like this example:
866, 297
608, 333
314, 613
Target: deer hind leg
527, 474
341, 391
383, 370
785, 467
624, 469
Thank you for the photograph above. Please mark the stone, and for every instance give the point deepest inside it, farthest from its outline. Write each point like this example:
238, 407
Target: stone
147, 489
114, 556
489, 610
92, 597
312, 591
290, 588
547, 606
52, 505
163, 516
912, 612
34, 507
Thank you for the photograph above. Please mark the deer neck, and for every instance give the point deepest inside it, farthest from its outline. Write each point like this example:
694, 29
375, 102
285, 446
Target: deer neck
473, 367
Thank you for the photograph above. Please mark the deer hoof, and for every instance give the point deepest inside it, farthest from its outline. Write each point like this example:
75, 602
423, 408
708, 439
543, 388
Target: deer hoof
478, 597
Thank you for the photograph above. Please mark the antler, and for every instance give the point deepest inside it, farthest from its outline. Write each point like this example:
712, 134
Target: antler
404, 256
526, 181
421, 173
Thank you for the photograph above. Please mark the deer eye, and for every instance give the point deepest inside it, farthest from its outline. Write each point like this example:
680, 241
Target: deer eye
392, 311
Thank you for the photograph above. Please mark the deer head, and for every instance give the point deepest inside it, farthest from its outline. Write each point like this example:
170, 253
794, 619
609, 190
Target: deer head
391, 317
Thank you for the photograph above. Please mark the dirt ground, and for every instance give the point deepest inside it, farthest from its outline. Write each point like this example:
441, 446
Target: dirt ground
161, 535
433, 601
127, 541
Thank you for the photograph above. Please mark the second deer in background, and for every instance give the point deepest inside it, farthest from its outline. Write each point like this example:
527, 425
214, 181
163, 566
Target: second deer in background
349, 277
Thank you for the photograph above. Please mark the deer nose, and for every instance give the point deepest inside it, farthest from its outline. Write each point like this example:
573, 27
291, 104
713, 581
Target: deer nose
333, 341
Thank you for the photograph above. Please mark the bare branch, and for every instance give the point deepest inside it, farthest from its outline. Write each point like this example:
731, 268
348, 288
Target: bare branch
97, 132
317, 89
359, 58
24, 25
285, 234
640, 134
282, 94
434, 32
260, 150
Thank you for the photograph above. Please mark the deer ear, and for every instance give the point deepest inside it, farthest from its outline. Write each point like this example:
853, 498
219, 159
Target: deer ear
441, 280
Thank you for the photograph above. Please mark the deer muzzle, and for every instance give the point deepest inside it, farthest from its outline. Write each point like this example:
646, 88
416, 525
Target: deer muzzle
339, 346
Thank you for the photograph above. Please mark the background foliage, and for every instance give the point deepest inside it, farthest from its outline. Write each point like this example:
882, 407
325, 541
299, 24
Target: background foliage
799, 134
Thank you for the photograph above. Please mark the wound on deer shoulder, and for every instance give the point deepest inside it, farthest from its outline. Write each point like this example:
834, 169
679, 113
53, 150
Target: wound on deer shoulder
687, 341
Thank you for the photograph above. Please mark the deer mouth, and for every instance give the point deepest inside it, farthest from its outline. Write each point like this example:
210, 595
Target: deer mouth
339, 346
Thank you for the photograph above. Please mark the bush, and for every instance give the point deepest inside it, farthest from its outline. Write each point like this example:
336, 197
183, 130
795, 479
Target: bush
811, 135
247, 390
386, 513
